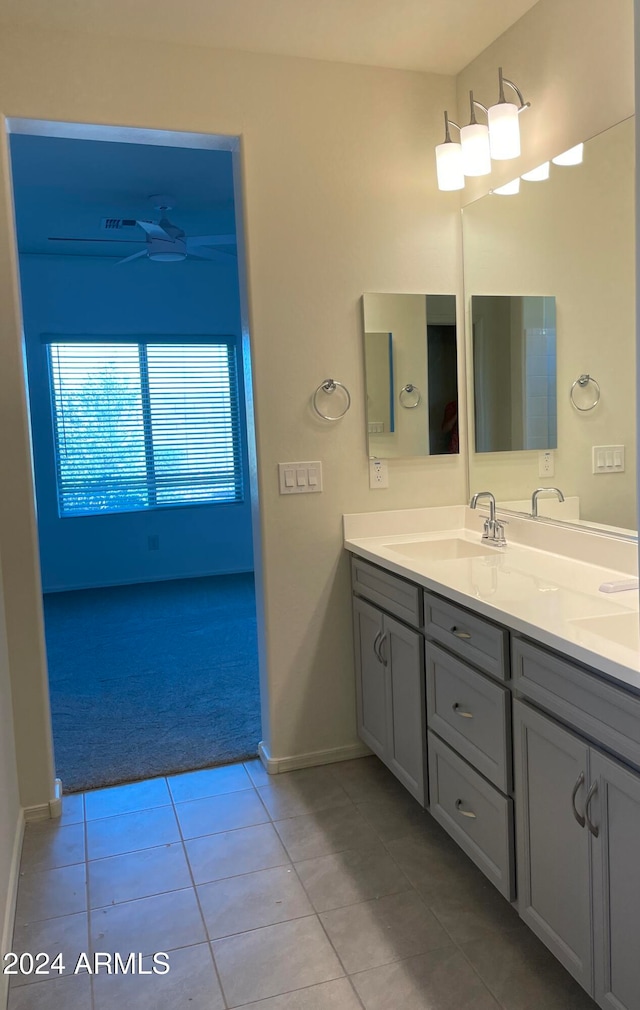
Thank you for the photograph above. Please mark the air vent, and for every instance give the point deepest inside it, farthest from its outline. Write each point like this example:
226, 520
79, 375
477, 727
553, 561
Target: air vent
116, 223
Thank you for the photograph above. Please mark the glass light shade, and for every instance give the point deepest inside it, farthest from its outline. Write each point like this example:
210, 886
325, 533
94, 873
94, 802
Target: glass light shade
449, 166
509, 188
571, 157
538, 174
504, 131
476, 157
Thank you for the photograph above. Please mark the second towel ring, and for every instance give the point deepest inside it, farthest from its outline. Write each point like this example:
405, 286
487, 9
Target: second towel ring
583, 381
409, 396
329, 387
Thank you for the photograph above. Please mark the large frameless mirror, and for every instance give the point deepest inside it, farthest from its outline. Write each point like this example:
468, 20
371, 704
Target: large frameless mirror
410, 354
571, 235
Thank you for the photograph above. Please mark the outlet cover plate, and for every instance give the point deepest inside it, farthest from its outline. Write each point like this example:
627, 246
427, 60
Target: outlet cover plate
378, 474
546, 466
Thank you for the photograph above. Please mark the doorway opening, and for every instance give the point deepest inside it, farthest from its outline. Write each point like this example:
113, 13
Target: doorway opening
130, 252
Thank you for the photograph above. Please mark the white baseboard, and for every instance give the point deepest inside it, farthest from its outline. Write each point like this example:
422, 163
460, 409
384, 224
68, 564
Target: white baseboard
10, 907
275, 766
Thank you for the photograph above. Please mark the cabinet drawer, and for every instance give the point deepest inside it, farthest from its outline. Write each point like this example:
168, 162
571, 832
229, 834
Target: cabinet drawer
470, 712
484, 644
603, 712
474, 813
393, 594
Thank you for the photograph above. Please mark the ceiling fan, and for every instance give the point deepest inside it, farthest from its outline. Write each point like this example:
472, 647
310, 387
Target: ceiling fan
166, 242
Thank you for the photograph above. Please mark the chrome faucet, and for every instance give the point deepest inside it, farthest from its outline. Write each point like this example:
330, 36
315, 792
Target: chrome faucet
538, 491
493, 529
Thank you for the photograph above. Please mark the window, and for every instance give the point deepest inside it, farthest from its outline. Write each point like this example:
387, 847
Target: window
142, 424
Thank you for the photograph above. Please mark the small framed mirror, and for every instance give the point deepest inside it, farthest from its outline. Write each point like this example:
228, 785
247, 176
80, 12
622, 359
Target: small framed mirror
411, 373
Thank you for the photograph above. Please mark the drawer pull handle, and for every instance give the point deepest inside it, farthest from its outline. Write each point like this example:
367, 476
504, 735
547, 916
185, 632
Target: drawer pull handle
464, 813
593, 828
383, 658
574, 793
463, 715
459, 633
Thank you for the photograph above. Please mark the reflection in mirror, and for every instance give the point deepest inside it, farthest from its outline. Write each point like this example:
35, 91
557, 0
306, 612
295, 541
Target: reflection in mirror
378, 363
514, 372
572, 235
410, 355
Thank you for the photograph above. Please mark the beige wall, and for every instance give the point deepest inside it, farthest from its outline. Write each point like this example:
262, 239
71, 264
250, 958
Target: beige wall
9, 801
340, 198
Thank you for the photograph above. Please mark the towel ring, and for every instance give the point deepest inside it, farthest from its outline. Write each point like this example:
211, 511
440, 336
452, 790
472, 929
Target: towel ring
583, 381
409, 391
329, 387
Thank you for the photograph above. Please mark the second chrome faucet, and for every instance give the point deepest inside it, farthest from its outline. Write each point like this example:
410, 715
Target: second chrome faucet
538, 491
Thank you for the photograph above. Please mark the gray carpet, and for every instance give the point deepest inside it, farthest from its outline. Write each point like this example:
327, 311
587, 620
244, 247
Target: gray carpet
152, 679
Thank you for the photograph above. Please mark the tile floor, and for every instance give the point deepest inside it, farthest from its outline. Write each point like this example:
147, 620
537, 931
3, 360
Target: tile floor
322, 889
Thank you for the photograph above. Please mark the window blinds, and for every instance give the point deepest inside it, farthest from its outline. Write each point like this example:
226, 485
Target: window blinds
144, 424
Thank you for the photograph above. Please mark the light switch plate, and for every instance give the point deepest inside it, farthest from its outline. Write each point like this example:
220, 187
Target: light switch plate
607, 458
300, 478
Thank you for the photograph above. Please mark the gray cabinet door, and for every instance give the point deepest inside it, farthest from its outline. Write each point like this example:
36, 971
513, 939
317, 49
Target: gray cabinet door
371, 686
402, 650
553, 849
614, 813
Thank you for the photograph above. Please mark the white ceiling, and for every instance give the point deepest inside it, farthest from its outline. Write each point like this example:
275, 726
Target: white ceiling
440, 36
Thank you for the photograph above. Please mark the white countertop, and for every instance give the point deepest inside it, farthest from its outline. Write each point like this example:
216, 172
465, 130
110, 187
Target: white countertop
551, 595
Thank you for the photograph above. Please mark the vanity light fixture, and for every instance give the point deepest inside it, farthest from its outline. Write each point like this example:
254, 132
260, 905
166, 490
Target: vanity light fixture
474, 138
538, 174
449, 160
571, 157
504, 126
479, 143
509, 188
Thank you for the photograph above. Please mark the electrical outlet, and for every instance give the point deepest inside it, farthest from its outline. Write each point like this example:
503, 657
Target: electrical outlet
378, 473
545, 464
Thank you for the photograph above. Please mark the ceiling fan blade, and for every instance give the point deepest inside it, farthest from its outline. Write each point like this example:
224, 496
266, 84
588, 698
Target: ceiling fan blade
195, 240
135, 256
120, 241
154, 230
211, 254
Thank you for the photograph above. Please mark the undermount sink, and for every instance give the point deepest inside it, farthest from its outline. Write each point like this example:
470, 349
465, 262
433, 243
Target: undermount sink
440, 550
621, 628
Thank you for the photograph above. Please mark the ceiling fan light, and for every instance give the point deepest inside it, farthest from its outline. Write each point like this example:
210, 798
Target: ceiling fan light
504, 131
571, 157
476, 156
538, 174
449, 166
167, 257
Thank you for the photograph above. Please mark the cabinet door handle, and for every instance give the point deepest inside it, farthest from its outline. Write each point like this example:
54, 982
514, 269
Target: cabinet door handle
463, 715
383, 658
593, 828
459, 633
574, 793
376, 643
464, 813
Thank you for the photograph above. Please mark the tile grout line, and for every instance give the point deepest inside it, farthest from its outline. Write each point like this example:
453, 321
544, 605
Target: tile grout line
197, 897
329, 940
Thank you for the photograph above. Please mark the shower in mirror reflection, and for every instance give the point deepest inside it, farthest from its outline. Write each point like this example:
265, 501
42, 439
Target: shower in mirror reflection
514, 369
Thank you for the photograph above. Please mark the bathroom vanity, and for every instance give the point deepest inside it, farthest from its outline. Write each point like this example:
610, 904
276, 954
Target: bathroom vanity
502, 688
